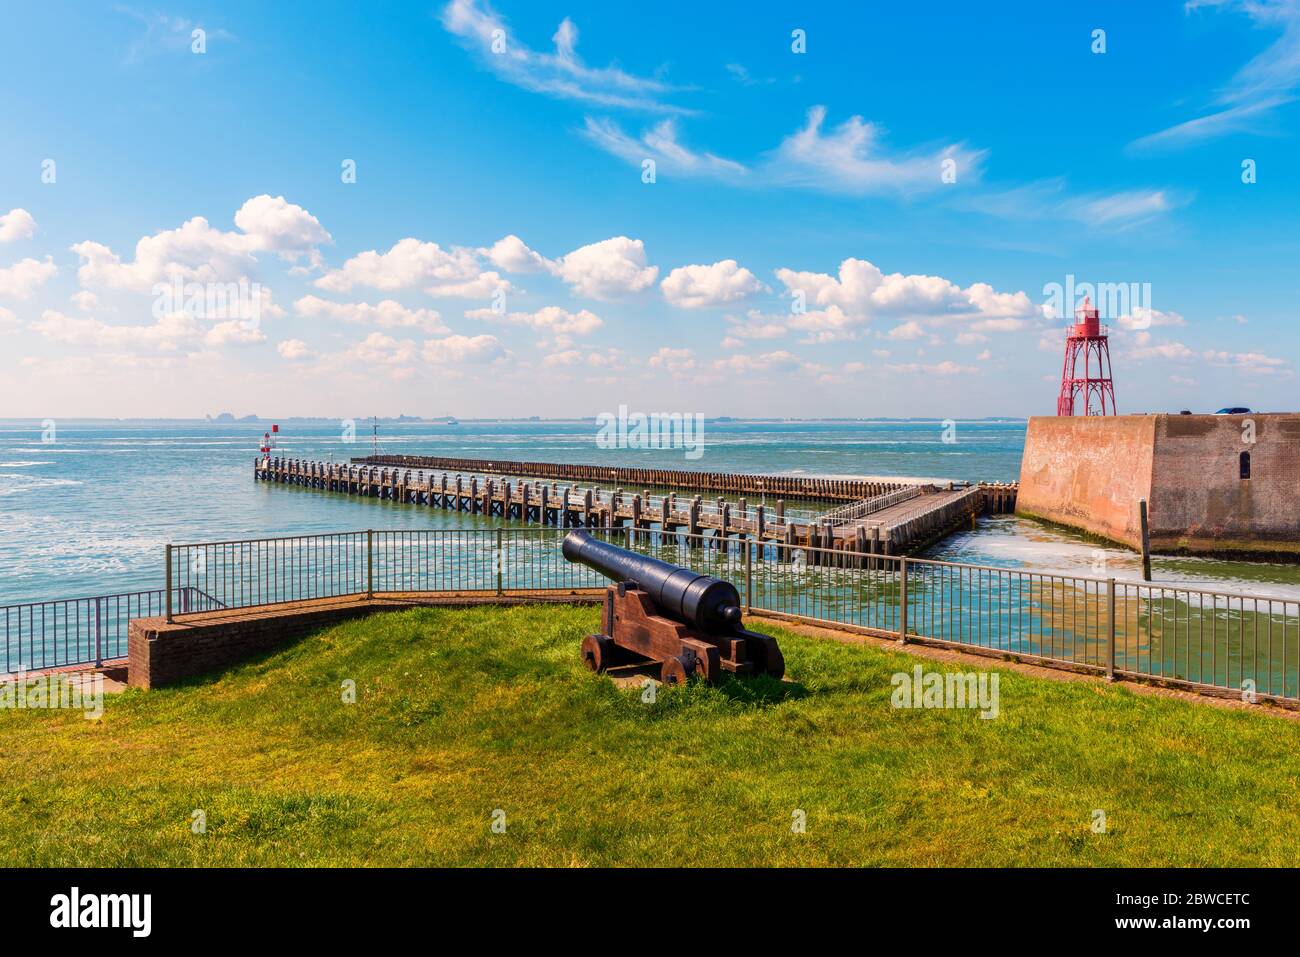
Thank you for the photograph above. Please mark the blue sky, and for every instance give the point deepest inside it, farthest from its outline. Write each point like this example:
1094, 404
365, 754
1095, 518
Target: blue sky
868, 227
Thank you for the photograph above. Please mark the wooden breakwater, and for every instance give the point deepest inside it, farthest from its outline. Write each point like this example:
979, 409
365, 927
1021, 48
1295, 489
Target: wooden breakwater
728, 483
890, 524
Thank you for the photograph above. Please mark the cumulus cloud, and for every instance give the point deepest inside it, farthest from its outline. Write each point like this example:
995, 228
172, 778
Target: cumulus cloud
293, 349
8, 321
675, 362
569, 357
26, 276
550, 319
695, 287
408, 264
837, 306
755, 325
453, 350
560, 73
513, 255
607, 269
779, 361
15, 225
387, 314
198, 252
273, 224
169, 333
85, 300
908, 330
233, 332
381, 349
1251, 363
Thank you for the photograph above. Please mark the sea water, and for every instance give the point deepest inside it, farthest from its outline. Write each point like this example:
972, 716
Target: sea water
86, 508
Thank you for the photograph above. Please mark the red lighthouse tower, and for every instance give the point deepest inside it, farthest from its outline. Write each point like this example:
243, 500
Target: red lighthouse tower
1087, 338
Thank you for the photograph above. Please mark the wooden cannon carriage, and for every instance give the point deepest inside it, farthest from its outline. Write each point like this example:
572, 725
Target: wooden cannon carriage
658, 612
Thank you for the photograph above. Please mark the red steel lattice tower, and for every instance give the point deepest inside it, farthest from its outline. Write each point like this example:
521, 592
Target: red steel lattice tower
1087, 338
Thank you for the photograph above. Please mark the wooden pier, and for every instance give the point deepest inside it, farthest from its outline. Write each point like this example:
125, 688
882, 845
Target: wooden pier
808, 488
895, 522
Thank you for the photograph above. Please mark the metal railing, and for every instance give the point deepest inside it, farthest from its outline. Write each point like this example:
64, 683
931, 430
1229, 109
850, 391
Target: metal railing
1248, 644
80, 631
849, 513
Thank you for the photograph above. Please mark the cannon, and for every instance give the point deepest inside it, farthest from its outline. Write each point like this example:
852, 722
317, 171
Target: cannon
688, 623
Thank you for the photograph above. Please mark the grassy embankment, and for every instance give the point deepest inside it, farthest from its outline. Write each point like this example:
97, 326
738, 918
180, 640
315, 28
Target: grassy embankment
460, 713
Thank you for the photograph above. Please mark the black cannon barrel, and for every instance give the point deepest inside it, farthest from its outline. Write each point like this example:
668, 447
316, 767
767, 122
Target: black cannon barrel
702, 601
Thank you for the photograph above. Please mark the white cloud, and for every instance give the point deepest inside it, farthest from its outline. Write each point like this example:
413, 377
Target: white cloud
8, 321
741, 74
26, 276
945, 368
168, 34
550, 319
1048, 199
293, 349
1267, 82
85, 300
848, 160
559, 74
695, 287
661, 144
15, 225
1250, 363
779, 361
233, 332
380, 349
675, 362
755, 325
198, 252
483, 286
462, 349
409, 263
851, 159
387, 314
513, 255
837, 306
1130, 207
169, 333
1144, 318
272, 224
569, 357
607, 269
908, 330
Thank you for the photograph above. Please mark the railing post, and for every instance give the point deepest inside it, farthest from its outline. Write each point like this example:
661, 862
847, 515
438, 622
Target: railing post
501, 561
167, 583
749, 574
1110, 652
370, 563
902, 600
99, 648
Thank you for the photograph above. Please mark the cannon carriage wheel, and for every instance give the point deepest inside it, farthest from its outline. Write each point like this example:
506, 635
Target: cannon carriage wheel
598, 653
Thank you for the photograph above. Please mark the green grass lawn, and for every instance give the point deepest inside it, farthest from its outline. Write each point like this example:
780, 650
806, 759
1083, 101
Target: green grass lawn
462, 712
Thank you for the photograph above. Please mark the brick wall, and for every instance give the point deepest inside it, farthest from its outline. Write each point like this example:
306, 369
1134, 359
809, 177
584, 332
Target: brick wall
1089, 472
160, 654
